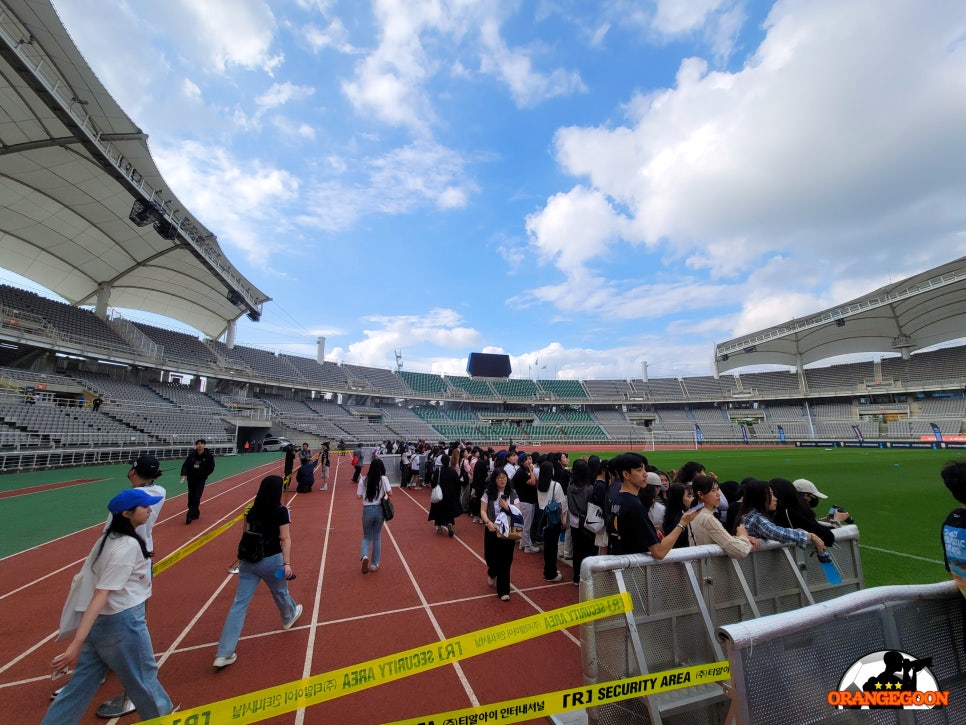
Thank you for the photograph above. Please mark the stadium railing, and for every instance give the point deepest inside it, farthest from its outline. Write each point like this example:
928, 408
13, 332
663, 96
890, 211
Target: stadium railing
680, 602
795, 659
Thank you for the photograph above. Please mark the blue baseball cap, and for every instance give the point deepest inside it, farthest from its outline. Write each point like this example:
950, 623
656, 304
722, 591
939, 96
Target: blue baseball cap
130, 498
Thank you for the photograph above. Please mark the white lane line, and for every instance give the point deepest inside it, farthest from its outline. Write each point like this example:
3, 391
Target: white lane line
314, 625
901, 553
517, 555
474, 701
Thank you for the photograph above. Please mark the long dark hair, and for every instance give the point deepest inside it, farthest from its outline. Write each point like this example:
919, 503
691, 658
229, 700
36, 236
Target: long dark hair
581, 473
121, 524
788, 498
377, 469
545, 477
675, 506
755, 498
267, 501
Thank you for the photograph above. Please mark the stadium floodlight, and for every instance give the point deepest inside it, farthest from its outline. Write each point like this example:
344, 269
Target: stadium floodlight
144, 213
166, 229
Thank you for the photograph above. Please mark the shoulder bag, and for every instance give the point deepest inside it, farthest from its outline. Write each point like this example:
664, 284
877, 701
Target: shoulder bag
251, 548
388, 510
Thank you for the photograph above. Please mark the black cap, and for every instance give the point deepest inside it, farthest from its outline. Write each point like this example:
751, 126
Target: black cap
147, 467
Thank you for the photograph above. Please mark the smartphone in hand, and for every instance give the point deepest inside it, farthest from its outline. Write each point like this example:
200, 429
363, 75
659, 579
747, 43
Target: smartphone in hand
696, 508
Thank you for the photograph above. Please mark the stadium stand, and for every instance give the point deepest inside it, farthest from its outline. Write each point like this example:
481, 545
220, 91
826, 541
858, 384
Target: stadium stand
892, 399
424, 383
563, 389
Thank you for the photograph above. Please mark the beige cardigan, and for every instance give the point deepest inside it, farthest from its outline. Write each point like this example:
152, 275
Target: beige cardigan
706, 528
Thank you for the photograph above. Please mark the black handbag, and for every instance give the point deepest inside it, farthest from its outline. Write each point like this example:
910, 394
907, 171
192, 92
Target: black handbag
251, 548
388, 510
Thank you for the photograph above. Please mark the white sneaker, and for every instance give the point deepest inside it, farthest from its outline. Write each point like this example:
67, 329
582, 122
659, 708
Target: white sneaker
116, 707
224, 661
325, 487
298, 613
556, 578
491, 581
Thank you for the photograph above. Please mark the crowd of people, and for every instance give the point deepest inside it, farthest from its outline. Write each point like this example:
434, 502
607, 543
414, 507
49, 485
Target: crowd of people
526, 502
643, 509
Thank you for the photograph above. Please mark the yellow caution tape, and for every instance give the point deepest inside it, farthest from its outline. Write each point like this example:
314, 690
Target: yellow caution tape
578, 698
277, 700
178, 554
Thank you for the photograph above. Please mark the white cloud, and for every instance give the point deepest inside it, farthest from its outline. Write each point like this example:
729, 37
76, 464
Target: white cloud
514, 67
233, 197
334, 35
398, 182
673, 17
575, 227
228, 33
821, 148
281, 93
442, 328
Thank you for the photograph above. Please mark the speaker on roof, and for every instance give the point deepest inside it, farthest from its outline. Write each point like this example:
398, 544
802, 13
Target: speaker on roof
487, 365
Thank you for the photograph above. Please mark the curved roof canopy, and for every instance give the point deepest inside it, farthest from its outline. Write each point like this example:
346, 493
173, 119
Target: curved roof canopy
83, 208
917, 312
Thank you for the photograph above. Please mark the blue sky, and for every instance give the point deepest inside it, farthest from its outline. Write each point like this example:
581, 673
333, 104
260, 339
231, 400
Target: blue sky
581, 185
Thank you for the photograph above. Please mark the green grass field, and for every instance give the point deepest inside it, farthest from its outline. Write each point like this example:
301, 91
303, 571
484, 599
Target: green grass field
897, 498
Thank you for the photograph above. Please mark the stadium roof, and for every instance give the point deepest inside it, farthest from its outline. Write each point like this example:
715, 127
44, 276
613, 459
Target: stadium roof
82, 204
924, 310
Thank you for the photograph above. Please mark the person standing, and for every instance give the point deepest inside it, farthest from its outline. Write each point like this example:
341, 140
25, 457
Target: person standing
444, 512
498, 553
357, 457
289, 466
271, 519
549, 489
196, 468
631, 531
524, 483
371, 491
324, 465
110, 631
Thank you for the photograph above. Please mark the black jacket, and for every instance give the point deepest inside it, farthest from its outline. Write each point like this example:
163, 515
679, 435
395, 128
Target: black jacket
197, 467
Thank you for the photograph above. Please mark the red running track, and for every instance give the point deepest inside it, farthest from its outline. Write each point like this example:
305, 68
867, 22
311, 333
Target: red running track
428, 588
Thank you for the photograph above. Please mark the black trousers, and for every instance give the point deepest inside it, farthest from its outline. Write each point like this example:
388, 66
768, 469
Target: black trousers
498, 554
196, 487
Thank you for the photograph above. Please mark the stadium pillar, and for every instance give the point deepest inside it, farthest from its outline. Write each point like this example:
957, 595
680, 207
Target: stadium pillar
103, 298
230, 335
320, 350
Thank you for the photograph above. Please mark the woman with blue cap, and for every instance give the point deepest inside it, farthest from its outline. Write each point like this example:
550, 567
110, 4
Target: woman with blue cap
105, 614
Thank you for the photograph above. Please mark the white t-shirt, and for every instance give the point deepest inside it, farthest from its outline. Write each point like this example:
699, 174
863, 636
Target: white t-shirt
361, 491
124, 571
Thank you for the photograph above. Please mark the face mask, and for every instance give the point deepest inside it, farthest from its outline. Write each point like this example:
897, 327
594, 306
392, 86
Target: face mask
812, 501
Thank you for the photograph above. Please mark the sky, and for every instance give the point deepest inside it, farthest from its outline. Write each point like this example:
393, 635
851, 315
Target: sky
584, 186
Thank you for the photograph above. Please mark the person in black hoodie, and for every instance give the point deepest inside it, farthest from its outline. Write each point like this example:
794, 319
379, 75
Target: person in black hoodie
794, 509
195, 470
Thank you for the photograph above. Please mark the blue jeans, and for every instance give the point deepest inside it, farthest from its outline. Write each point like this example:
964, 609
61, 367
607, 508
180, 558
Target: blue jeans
372, 522
248, 577
119, 642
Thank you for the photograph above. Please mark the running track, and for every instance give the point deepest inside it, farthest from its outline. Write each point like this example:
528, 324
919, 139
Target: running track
428, 588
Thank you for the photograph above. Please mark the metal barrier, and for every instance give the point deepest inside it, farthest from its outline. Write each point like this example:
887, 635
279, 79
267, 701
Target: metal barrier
794, 659
680, 601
